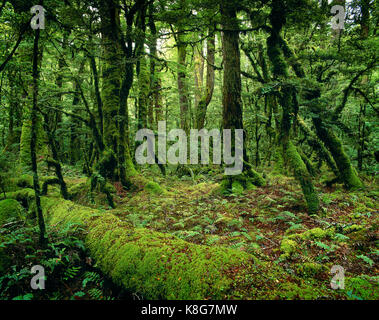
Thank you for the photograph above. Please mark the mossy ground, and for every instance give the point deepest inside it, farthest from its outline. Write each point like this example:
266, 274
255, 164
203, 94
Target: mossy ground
294, 250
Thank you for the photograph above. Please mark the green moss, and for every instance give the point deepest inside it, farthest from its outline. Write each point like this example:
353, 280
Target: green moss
288, 247
110, 187
24, 181
155, 264
347, 172
237, 187
310, 269
24, 196
357, 234
353, 228
254, 178
79, 189
25, 157
291, 291
302, 175
316, 233
10, 208
154, 188
279, 167
238, 183
291, 242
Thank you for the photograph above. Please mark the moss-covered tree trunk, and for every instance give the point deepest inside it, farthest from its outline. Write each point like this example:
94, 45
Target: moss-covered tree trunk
317, 145
288, 102
75, 124
115, 162
206, 97
347, 173
185, 121
232, 113
111, 58
156, 105
33, 139
142, 71
143, 93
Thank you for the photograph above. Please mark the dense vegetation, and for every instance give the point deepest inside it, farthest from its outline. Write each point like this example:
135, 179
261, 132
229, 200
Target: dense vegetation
74, 199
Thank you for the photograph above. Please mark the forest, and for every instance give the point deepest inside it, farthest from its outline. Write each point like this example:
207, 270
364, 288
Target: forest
189, 150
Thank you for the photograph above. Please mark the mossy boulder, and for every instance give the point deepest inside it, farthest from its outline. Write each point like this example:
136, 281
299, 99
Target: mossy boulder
10, 208
25, 181
79, 189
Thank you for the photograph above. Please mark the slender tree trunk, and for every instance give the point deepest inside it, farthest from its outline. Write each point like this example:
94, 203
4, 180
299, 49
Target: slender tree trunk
156, 107
33, 141
207, 95
361, 135
182, 85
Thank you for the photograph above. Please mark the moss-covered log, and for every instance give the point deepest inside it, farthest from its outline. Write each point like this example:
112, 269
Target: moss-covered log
157, 265
154, 264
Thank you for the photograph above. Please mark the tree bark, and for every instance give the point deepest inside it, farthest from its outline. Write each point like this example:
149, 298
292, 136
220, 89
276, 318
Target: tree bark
33, 141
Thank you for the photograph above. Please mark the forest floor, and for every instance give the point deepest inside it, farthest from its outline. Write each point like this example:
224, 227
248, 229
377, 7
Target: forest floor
269, 222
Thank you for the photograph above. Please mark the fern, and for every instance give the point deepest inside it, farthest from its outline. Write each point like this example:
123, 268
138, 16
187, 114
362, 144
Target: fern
95, 293
71, 273
366, 259
90, 277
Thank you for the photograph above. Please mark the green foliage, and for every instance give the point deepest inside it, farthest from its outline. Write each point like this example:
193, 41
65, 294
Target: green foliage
305, 95
10, 208
362, 288
366, 259
61, 259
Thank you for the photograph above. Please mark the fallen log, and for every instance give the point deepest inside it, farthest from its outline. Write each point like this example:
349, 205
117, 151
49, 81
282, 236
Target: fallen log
154, 264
